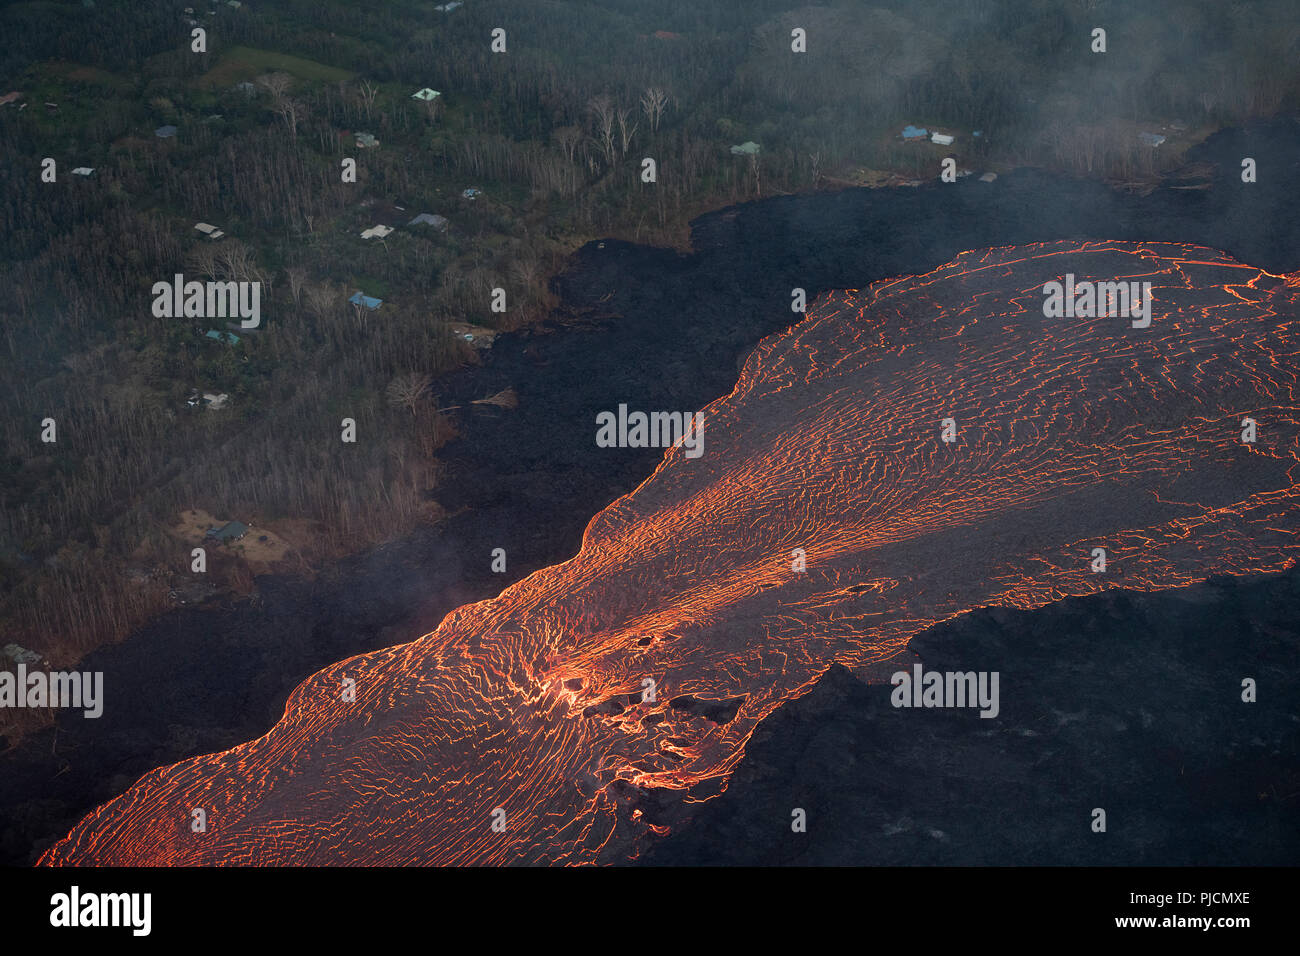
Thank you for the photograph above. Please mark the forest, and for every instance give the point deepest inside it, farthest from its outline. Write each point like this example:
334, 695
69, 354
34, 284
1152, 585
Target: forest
525, 153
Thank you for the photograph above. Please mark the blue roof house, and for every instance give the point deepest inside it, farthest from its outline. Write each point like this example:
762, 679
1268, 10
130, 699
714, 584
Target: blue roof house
370, 302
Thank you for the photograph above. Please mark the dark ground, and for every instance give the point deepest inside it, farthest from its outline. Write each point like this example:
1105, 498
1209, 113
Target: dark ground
671, 336
1125, 701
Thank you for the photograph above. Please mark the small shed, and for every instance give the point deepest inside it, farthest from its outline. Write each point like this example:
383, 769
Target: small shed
427, 219
425, 94
165, 132
914, 132
1151, 139
370, 302
230, 338
988, 177
748, 148
209, 230
472, 193
376, 232
943, 139
366, 141
83, 171
230, 531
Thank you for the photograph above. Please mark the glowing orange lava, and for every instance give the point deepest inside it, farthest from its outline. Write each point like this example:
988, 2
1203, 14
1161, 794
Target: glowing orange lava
1073, 434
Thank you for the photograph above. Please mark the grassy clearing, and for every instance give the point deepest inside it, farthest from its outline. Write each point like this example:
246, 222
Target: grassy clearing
63, 71
242, 63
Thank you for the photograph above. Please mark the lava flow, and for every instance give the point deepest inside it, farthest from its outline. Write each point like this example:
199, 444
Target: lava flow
517, 731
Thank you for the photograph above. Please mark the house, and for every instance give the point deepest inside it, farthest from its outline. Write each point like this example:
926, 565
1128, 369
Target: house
943, 139
370, 302
212, 232
425, 94
749, 148
1151, 139
366, 141
424, 218
472, 193
988, 177
448, 7
912, 133
247, 88
215, 401
230, 338
376, 232
83, 171
165, 132
477, 336
230, 531
21, 655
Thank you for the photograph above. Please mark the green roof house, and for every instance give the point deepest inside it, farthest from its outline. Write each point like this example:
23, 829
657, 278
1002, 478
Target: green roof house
230, 338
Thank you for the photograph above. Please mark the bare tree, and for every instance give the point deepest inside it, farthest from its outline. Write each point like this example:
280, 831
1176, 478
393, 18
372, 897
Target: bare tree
203, 259
297, 275
235, 260
291, 111
406, 390
277, 84
816, 160
321, 299
625, 132
653, 102
526, 271
568, 138
602, 112
367, 93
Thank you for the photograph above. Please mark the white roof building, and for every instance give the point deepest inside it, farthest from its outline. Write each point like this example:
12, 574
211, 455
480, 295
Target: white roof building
376, 232
211, 231
943, 139
83, 171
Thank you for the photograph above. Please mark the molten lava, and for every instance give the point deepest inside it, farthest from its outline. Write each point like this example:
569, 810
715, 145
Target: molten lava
1072, 434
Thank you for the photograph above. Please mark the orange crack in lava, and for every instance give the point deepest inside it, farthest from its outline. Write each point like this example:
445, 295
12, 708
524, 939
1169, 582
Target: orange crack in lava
1073, 434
